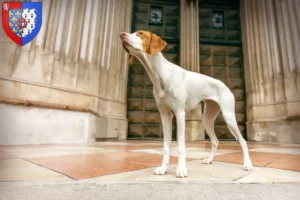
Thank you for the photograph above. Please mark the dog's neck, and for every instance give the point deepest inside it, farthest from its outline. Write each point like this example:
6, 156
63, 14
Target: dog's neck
154, 65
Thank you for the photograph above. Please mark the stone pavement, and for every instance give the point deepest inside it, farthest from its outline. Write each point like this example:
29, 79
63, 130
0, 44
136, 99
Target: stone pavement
147, 191
136, 160
133, 162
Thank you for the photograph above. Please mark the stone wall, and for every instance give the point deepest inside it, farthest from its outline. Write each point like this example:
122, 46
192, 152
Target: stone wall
75, 63
271, 45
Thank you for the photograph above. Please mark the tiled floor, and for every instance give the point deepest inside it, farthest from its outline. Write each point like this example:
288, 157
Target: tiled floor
136, 160
21, 170
260, 159
99, 164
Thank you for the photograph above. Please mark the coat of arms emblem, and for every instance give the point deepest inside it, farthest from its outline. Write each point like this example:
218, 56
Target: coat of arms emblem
22, 21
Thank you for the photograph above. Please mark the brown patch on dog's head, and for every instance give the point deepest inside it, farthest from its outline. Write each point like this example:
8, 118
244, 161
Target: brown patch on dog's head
151, 42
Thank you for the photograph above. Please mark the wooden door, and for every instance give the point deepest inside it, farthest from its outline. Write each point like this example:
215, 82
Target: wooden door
221, 54
162, 18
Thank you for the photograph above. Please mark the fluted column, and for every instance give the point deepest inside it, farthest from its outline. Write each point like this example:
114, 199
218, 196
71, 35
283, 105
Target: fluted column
189, 35
189, 59
76, 62
271, 45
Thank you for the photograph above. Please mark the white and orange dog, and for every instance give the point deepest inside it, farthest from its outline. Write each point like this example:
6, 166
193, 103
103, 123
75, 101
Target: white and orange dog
178, 90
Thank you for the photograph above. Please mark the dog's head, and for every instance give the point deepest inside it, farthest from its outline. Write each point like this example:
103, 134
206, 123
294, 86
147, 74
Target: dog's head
141, 42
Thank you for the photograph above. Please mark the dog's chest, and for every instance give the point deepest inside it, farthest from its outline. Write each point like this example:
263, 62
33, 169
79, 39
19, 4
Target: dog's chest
169, 97
177, 98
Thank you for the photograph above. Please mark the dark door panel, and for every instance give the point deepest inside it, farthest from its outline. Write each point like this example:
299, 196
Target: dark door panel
162, 18
221, 54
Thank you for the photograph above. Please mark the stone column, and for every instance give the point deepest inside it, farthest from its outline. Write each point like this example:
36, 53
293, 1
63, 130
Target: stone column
189, 59
271, 44
75, 63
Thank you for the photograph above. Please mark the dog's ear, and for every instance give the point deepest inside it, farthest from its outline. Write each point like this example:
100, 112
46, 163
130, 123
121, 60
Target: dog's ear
131, 61
156, 44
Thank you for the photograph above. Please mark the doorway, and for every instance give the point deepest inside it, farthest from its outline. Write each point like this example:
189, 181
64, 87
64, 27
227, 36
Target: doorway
161, 18
221, 55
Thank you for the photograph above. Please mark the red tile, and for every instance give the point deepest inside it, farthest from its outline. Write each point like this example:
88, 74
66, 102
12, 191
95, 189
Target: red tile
128, 147
226, 146
292, 147
288, 162
236, 146
93, 165
87, 165
251, 145
201, 145
257, 158
272, 145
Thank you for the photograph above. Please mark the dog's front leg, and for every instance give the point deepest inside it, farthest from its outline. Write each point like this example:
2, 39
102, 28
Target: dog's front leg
167, 132
181, 171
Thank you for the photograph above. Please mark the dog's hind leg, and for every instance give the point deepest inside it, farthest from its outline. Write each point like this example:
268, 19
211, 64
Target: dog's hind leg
227, 105
211, 111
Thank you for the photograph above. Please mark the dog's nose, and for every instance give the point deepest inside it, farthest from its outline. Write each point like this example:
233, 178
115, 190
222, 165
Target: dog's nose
122, 34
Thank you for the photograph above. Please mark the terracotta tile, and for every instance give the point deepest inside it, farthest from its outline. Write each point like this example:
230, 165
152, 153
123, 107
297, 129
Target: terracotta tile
266, 145
116, 147
88, 165
126, 144
93, 165
142, 157
151, 159
228, 145
202, 145
288, 162
292, 147
257, 158
84, 164
257, 145
291, 151
146, 147
234, 145
126, 155
140, 154
34, 152
133, 147
221, 146
99, 164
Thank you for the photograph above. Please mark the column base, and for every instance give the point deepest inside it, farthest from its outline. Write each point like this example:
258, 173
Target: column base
111, 128
21, 125
194, 131
282, 131
193, 125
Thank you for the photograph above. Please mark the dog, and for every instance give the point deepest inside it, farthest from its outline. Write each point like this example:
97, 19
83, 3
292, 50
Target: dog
176, 91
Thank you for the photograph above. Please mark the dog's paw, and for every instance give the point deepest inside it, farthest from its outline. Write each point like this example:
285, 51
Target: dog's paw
207, 160
181, 171
161, 170
248, 165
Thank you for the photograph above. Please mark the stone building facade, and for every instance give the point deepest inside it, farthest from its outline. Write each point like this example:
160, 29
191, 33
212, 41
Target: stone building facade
271, 39
72, 84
